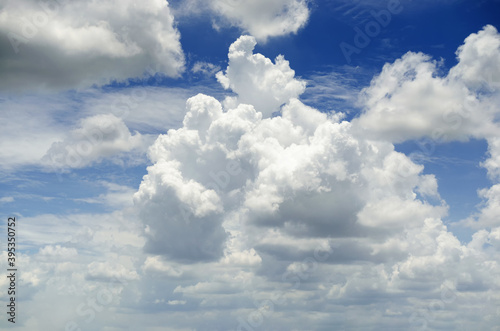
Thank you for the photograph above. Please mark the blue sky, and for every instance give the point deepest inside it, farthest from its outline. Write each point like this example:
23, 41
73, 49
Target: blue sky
224, 165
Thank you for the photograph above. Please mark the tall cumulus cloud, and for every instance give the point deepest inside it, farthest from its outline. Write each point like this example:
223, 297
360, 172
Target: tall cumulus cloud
327, 205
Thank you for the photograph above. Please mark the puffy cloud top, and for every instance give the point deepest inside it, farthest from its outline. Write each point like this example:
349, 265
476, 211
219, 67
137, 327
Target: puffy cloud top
410, 100
264, 18
257, 80
479, 60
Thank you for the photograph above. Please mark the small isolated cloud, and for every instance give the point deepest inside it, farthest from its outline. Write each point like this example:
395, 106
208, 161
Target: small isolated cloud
110, 271
72, 44
57, 252
155, 264
205, 68
176, 302
6, 199
264, 18
97, 138
116, 196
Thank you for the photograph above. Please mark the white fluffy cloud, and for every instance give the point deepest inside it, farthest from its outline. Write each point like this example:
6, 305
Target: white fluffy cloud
257, 80
492, 164
409, 100
264, 18
479, 59
29, 133
310, 201
68, 44
98, 137
298, 221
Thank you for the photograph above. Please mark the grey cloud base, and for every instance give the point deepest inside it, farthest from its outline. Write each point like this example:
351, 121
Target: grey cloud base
58, 45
